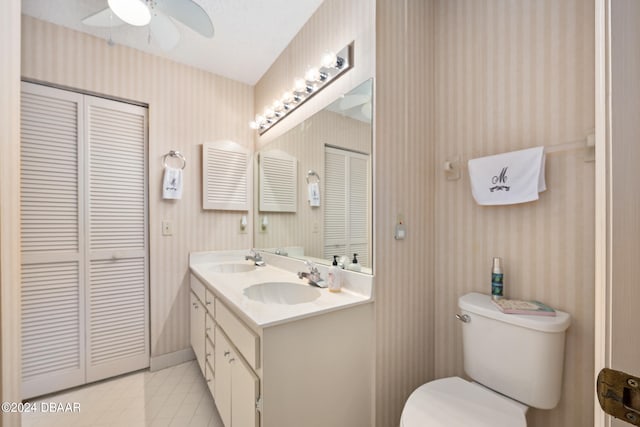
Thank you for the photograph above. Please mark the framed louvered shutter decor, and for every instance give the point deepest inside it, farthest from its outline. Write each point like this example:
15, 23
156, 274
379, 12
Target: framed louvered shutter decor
226, 176
278, 182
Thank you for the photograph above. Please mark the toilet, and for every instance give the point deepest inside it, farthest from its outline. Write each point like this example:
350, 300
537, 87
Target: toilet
515, 362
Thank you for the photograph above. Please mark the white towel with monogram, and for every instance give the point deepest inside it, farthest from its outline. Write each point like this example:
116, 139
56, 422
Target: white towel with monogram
508, 178
314, 193
172, 183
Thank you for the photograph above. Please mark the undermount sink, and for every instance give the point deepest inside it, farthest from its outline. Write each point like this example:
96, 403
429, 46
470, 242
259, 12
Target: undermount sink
232, 268
281, 293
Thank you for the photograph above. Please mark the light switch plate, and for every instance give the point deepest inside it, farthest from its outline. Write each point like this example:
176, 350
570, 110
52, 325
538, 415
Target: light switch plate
167, 228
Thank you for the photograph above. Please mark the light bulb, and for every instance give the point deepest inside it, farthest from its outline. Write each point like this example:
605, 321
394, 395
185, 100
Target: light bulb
278, 105
254, 125
312, 75
329, 60
269, 113
260, 120
287, 98
300, 86
134, 12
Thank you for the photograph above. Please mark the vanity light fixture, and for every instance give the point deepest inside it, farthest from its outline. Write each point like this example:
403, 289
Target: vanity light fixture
332, 66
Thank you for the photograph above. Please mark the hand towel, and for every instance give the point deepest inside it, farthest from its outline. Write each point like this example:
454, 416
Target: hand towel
314, 193
172, 183
508, 178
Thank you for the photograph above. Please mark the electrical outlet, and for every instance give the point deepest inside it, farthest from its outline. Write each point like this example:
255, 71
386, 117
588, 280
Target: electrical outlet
167, 228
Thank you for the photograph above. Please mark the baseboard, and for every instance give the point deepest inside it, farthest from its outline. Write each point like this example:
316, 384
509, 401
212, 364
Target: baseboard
171, 359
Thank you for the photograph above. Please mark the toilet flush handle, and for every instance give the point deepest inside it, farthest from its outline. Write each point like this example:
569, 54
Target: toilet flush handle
463, 318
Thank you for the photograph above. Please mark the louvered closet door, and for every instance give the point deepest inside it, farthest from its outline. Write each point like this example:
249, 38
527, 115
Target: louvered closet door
335, 204
84, 239
347, 217
52, 245
117, 276
359, 222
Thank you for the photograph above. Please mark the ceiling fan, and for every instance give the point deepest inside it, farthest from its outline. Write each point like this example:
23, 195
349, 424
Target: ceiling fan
158, 15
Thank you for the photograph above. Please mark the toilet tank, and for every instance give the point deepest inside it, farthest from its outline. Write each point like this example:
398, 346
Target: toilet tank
520, 356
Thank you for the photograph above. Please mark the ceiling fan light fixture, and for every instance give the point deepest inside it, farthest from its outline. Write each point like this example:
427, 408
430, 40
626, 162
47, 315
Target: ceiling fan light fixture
133, 12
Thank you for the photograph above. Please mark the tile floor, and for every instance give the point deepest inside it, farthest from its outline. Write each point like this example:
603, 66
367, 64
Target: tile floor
176, 396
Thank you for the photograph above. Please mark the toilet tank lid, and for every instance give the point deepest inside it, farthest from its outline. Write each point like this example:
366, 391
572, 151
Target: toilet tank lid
481, 305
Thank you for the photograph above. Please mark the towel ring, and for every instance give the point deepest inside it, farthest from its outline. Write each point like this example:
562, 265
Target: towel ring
174, 153
313, 173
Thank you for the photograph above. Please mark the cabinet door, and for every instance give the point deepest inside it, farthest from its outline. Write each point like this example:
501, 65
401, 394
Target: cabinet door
222, 384
245, 389
197, 330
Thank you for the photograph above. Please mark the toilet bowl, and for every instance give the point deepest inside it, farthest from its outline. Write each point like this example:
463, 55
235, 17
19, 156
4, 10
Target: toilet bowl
455, 402
516, 361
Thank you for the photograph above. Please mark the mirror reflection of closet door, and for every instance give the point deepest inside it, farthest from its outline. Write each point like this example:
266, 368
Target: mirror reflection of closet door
84, 239
347, 215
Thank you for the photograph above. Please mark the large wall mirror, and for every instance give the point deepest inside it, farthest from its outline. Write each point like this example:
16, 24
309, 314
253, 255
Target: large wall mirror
314, 187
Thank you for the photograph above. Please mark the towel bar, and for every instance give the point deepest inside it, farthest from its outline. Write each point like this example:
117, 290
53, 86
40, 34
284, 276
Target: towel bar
312, 173
174, 153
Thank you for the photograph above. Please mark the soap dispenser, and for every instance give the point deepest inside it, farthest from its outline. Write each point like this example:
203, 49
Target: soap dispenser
335, 280
354, 266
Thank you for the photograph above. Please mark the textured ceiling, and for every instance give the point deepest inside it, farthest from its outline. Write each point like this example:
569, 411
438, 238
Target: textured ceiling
249, 34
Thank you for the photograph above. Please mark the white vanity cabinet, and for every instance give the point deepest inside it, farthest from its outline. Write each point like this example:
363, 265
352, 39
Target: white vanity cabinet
232, 381
308, 371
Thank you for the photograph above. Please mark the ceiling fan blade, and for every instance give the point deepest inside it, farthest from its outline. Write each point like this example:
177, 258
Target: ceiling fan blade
103, 18
366, 110
351, 101
189, 13
164, 31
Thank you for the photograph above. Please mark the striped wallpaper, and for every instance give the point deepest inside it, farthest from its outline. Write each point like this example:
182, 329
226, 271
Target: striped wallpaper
186, 108
10, 208
512, 75
404, 185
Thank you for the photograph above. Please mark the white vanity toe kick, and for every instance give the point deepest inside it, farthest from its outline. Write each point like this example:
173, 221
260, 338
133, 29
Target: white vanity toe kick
231, 288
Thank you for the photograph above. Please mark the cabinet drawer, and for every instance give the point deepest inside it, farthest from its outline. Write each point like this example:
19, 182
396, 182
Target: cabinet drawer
209, 352
198, 288
210, 377
209, 303
209, 328
242, 337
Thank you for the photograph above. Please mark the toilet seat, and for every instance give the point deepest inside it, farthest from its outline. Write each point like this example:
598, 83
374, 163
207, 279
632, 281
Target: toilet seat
454, 402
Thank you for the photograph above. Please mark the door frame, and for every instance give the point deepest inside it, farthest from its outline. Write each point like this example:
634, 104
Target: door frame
602, 237
605, 41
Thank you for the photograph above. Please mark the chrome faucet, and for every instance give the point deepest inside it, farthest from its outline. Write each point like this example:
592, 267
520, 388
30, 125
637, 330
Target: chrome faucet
313, 276
255, 257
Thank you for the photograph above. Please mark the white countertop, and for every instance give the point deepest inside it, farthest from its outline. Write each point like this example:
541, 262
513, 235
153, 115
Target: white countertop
230, 287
